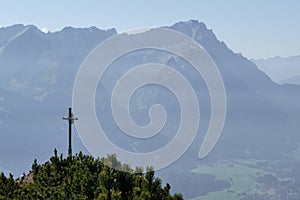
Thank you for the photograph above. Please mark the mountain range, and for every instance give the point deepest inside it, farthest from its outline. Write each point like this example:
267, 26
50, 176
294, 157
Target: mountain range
282, 70
36, 80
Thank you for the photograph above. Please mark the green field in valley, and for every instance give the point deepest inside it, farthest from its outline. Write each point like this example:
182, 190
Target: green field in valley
241, 174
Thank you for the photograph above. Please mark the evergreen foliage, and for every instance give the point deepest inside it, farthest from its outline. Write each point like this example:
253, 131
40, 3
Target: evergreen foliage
82, 177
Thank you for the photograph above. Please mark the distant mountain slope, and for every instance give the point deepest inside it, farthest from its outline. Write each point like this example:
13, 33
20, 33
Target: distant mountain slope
280, 70
37, 73
295, 80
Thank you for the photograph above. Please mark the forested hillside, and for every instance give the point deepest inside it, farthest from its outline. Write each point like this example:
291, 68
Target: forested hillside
83, 177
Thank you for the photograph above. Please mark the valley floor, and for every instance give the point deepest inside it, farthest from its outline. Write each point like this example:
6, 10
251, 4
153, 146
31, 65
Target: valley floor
254, 179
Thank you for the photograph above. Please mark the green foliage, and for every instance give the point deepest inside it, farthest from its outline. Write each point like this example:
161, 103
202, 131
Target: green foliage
83, 177
8, 186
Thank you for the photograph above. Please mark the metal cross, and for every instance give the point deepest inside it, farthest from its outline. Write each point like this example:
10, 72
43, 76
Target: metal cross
71, 119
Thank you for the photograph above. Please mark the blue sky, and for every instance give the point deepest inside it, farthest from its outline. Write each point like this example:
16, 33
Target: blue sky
256, 28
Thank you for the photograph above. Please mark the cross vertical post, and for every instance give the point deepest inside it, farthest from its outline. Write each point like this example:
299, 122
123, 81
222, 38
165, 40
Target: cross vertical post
70, 119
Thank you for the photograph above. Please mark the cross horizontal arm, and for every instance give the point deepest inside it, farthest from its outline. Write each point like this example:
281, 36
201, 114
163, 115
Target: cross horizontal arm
70, 118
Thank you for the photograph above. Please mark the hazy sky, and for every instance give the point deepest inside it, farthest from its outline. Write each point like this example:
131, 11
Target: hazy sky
256, 28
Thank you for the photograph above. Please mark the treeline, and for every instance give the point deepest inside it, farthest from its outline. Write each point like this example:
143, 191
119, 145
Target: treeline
83, 177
